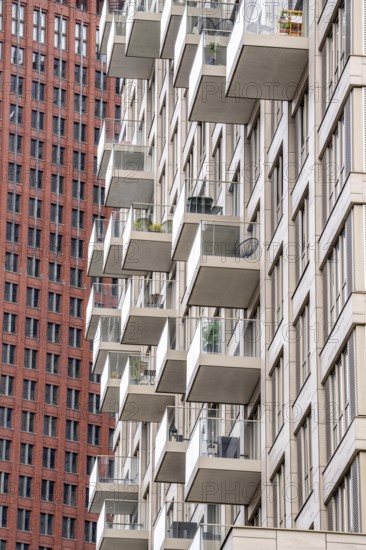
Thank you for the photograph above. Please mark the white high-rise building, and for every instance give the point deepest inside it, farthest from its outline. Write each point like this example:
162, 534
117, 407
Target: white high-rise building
232, 350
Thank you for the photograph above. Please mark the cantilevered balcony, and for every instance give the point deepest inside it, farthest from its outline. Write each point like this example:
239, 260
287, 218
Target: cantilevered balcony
103, 302
130, 176
170, 21
223, 461
112, 478
123, 524
107, 339
223, 361
138, 400
207, 101
197, 17
143, 28
198, 200
172, 531
171, 445
113, 245
120, 65
268, 50
171, 357
223, 266
147, 239
96, 248
146, 305
113, 369
209, 537
110, 8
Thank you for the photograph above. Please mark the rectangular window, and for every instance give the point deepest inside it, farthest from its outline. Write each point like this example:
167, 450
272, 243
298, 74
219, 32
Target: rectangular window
277, 293
33, 297
49, 458
38, 92
71, 462
34, 237
33, 267
11, 262
47, 490
76, 277
68, 528
277, 193
76, 307
8, 354
39, 62
5, 448
277, 383
279, 500
305, 460
28, 421
53, 333
75, 335
50, 426
59, 67
46, 524
30, 358
90, 532
26, 454
29, 390
36, 178
3, 516
60, 33
72, 399
31, 327
57, 184
10, 323
72, 430
74, 366
93, 434
14, 172
81, 34
35, 208
52, 363
13, 202
17, 56
54, 272
15, 143
70, 493
25, 487
302, 328
16, 84
12, 232
23, 520
17, 19
6, 385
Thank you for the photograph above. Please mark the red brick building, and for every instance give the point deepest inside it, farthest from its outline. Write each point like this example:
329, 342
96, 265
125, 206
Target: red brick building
53, 97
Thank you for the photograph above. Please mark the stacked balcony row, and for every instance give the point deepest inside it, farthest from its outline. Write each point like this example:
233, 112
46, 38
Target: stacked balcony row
228, 55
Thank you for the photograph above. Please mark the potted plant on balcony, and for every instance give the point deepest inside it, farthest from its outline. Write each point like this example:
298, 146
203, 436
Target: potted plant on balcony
155, 228
211, 336
213, 48
135, 370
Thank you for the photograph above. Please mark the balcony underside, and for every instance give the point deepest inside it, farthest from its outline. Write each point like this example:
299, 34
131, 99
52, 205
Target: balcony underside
223, 282
172, 464
176, 544
267, 67
101, 350
223, 481
184, 64
103, 160
120, 65
119, 539
148, 252
144, 36
224, 379
127, 187
143, 404
113, 261
168, 40
109, 399
95, 263
110, 490
187, 231
172, 377
145, 325
208, 102
96, 314
104, 34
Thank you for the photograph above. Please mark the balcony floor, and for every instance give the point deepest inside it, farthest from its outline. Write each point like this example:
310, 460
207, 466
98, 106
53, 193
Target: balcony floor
176, 544
117, 539
119, 65
95, 263
208, 102
96, 314
172, 463
184, 63
109, 399
143, 404
274, 63
223, 282
224, 379
167, 42
172, 376
143, 39
146, 251
112, 263
127, 187
112, 490
145, 325
223, 481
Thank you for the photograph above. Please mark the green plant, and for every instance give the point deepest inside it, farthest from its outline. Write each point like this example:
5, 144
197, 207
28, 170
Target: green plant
211, 333
137, 226
135, 368
156, 227
214, 46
